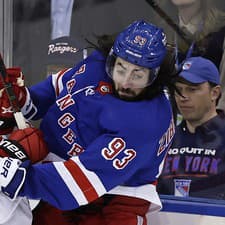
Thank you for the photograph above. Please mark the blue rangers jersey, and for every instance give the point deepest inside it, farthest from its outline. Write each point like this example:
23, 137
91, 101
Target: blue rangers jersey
109, 145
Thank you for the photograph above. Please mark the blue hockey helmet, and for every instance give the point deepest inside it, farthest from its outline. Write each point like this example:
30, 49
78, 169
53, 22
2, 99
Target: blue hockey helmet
141, 43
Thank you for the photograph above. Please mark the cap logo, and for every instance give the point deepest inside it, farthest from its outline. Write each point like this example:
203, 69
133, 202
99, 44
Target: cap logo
61, 49
140, 40
186, 65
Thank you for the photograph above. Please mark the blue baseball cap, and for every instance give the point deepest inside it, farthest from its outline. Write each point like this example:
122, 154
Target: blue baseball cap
198, 70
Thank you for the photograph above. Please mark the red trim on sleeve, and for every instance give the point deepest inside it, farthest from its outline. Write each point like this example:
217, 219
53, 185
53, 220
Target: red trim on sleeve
61, 73
81, 179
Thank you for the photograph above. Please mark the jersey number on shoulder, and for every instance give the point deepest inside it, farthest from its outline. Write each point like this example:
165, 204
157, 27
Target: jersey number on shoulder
116, 146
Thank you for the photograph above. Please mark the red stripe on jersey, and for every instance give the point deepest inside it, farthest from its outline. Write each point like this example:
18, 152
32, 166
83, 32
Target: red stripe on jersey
57, 87
81, 179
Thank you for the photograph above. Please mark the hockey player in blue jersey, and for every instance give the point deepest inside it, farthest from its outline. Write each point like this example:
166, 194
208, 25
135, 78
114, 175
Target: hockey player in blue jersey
110, 121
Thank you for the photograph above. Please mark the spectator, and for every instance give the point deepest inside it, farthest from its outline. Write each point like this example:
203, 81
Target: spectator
194, 165
101, 118
203, 24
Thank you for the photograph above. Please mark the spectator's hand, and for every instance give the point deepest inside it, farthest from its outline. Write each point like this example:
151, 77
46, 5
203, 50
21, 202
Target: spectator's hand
16, 79
25, 144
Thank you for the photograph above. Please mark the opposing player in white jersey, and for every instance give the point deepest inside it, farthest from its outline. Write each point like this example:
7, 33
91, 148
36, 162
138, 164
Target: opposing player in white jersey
20, 210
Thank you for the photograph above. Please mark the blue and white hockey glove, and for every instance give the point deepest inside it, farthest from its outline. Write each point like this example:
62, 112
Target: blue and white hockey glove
12, 176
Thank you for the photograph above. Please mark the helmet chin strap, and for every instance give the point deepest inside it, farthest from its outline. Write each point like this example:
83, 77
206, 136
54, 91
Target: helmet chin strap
154, 74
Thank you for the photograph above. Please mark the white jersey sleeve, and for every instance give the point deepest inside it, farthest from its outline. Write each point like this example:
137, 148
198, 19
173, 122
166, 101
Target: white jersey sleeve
15, 212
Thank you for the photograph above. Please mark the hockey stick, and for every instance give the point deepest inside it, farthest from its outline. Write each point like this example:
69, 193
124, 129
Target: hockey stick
169, 21
20, 120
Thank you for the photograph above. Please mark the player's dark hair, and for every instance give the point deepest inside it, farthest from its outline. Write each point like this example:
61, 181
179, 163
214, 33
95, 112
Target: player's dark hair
104, 43
166, 76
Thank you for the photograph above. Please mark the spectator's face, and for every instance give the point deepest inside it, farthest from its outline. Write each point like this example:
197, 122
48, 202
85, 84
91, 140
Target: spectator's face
183, 2
129, 80
198, 101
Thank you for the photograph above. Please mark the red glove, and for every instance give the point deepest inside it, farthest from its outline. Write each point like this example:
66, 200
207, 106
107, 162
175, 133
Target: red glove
23, 144
16, 78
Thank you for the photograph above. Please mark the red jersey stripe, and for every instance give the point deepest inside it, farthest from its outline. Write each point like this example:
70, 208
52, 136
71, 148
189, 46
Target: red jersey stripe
83, 182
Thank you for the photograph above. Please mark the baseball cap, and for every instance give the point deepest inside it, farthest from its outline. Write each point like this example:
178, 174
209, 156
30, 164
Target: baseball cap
64, 50
197, 70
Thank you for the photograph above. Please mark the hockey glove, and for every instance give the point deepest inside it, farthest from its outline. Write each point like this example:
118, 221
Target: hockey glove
16, 79
12, 176
25, 144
